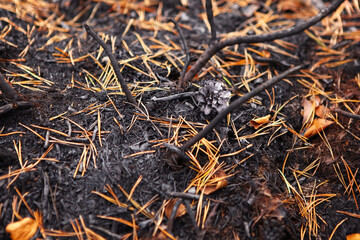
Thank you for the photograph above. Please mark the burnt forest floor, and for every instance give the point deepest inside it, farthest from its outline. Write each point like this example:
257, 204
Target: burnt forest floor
81, 162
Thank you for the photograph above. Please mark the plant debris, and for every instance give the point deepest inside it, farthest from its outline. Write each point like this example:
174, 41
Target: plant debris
181, 119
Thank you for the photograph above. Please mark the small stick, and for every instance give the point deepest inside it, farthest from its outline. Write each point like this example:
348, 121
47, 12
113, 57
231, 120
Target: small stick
11, 106
213, 49
186, 50
114, 64
47, 136
175, 96
271, 61
236, 104
210, 17
347, 114
69, 128
173, 214
7, 90
183, 195
191, 215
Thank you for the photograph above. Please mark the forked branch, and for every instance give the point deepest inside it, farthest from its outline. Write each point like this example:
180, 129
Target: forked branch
218, 46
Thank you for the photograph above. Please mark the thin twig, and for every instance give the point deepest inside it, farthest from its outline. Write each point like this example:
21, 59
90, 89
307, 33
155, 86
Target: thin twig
114, 64
173, 214
347, 114
183, 195
222, 115
111, 234
210, 17
174, 96
186, 50
192, 217
271, 61
213, 49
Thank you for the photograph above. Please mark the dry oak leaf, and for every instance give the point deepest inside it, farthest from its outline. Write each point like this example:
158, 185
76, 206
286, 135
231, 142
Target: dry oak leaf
258, 122
23, 229
354, 236
170, 206
316, 126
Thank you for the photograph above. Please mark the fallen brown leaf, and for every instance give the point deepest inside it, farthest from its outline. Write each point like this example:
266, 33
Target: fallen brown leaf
258, 122
316, 126
354, 236
309, 108
221, 175
170, 206
23, 229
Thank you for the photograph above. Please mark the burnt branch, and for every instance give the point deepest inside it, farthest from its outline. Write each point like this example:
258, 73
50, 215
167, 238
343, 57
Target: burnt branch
114, 64
222, 115
186, 50
12, 106
213, 49
210, 17
347, 114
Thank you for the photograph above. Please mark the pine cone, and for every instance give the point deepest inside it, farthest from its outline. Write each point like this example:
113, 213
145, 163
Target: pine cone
213, 96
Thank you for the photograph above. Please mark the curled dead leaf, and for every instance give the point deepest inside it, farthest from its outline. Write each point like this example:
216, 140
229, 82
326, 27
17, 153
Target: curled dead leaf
170, 206
23, 229
309, 107
289, 5
219, 182
354, 236
316, 126
258, 122
322, 111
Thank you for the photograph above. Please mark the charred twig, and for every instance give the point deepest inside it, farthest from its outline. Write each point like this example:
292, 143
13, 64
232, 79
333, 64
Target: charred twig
177, 152
191, 215
190, 196
347, 114
7, 90
213, 49
175, 96
236, 104
173, 214
111, 234
183, 195
208, 221
114, 64
271, 61
11, 106
210, 17
186, 50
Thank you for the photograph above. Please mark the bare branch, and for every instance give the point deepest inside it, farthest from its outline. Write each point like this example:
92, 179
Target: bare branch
114, 64
186, 50
213, 49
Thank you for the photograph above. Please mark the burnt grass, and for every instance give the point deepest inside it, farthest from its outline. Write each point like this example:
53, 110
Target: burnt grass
255, 204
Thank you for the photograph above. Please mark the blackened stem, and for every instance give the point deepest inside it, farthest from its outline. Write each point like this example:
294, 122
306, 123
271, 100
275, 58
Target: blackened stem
7, 90
114, 64
210, 17
347, 114
222, 115
185, 49
213, 49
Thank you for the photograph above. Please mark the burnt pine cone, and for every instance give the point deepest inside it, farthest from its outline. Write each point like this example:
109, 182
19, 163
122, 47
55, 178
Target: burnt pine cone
213, 96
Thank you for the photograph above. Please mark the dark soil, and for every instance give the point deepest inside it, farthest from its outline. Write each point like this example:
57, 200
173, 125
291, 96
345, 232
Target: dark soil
255, 203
